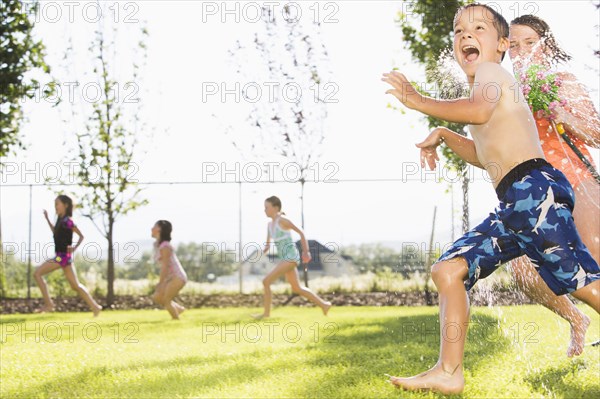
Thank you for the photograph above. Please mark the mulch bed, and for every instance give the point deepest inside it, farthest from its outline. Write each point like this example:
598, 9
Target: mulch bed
75, 304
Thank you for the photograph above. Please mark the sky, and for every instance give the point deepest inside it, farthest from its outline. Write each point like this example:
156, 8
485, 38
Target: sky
187, 49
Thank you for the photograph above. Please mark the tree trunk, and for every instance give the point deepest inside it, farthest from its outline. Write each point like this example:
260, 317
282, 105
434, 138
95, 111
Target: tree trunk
430, 261
241, 252
2, 266
110, 278
465, 190
452, 211
302, 221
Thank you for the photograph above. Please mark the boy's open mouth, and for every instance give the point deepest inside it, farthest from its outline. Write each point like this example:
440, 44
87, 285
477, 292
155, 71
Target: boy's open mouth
471, 53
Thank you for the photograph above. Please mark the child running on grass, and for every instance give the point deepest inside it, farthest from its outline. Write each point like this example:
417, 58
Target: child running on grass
62, 232
172, 276
532, 42
279, 230
531, 192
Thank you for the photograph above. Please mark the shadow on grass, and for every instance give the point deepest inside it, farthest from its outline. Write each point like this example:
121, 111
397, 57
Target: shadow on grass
11, 319
169, 378
554, 381
351, 366
400, 346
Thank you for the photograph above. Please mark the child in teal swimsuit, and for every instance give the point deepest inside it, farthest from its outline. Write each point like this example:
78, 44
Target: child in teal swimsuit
286, 249
279, 230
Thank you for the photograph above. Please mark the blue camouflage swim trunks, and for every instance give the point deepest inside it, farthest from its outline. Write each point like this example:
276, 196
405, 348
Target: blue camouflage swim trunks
534, 218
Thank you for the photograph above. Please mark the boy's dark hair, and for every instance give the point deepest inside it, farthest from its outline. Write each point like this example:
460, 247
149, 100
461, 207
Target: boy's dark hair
543, 30
498, 20
165, 230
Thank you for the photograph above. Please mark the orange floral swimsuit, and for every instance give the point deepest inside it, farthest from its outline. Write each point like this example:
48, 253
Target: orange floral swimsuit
560, 155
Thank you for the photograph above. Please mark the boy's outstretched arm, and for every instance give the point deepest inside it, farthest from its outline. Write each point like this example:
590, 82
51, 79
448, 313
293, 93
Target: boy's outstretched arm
462, 146
474, 110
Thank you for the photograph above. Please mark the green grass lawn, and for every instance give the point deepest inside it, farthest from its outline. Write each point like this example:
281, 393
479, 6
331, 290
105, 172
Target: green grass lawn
512, 352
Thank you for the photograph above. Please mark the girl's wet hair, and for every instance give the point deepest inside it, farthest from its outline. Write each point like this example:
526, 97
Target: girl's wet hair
498, 20
68, 203
276, 202
165, 230
541, 27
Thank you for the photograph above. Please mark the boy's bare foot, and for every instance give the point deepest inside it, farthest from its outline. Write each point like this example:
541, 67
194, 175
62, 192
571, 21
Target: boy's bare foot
45, 309
326, 308
97, 311
438, 379
578, 330
260, 316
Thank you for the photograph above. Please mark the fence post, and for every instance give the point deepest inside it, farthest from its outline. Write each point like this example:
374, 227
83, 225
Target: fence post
29, 244
240, 237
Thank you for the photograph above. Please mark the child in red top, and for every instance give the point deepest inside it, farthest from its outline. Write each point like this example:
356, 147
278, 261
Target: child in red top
532, 42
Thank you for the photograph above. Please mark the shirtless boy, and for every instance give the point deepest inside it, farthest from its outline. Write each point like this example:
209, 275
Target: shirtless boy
534, 216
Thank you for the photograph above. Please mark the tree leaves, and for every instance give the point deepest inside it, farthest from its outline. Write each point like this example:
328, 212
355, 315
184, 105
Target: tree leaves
106, 185
427, 27
19, 54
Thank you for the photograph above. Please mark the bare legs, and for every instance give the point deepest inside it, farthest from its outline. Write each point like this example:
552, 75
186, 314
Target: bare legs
45, 268
447, 375
279, 270
292, 278
590, 294
531, 284
166, 292
81, 289
587, 221
48, 267
291, 274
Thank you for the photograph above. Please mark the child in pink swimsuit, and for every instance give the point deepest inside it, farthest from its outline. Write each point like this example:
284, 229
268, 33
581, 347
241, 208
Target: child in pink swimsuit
174, 268
172, 276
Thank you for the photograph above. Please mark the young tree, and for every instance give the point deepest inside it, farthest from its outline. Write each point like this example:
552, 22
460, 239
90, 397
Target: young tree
105, 169
289, 126
21, 54
427, 26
